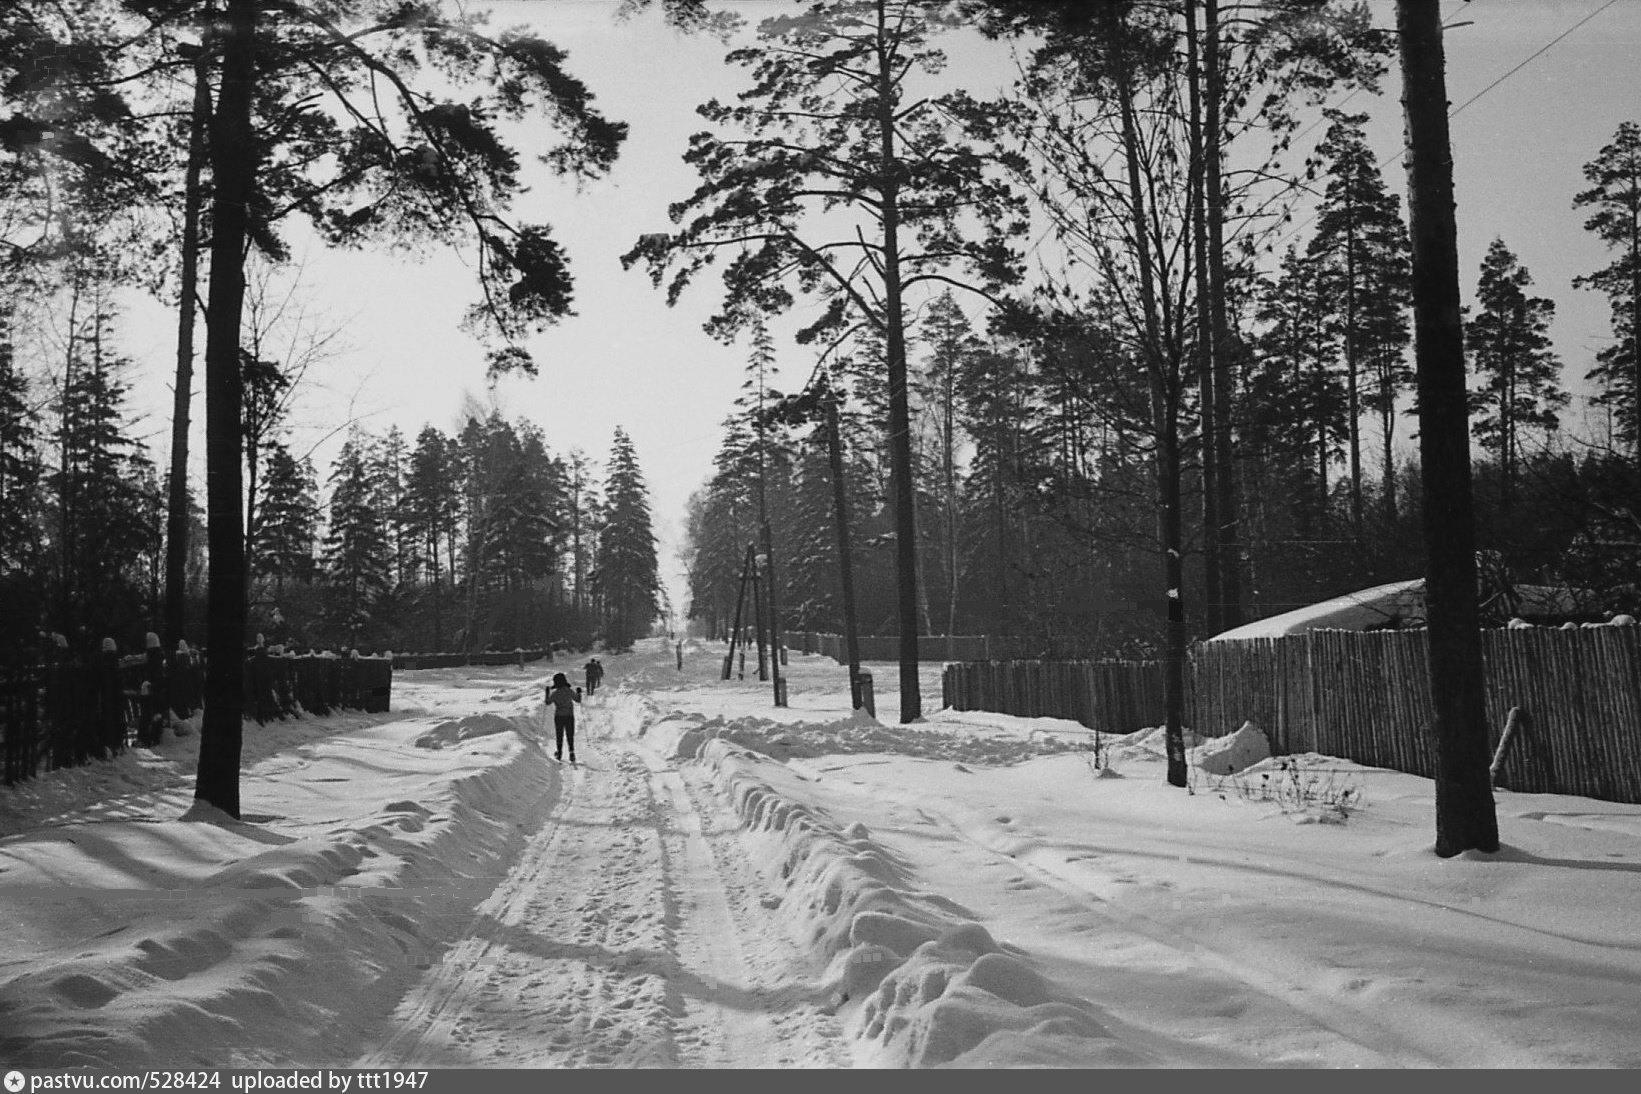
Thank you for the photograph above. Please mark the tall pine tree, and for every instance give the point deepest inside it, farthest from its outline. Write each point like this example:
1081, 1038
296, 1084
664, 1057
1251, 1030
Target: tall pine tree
1361, 251
1510, 352
1614, 198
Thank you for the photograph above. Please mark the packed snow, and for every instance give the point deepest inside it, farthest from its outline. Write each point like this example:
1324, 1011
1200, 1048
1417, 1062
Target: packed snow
721, 883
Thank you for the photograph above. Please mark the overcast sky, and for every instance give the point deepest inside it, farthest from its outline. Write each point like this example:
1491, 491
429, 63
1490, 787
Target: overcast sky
628, 360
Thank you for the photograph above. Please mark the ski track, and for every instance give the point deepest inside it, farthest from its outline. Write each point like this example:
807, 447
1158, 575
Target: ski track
629, 933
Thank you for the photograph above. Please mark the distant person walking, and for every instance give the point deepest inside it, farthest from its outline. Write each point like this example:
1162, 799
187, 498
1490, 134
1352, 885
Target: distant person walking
563, 699
595, 675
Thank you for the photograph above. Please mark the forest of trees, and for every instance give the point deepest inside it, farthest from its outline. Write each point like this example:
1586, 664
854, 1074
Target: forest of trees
1039, 408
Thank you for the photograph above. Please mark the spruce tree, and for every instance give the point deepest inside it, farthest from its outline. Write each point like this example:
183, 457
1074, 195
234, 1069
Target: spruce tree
811, 593
628, 575
100, 528
433, 503
290, 519
392, 467
715, 550
19, 459
358, 558
264, 403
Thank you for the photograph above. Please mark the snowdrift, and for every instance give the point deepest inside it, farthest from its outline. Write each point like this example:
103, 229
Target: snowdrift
922, 983
258, 937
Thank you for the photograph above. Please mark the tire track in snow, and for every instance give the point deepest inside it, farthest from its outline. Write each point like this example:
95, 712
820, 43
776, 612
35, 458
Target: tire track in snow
628, 933
539, 979
426, 1017
747, 1003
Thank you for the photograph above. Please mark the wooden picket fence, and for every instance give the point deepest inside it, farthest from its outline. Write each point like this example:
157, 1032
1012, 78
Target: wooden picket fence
940, 647
61, 711
1113, 696
490, 658
1366, 697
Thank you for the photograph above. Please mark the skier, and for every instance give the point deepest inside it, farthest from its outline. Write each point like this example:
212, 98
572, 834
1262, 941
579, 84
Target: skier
594, 673
563, 699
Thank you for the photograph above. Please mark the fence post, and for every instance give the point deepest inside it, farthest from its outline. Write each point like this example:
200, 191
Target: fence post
110, 727
155, 700
1514, 721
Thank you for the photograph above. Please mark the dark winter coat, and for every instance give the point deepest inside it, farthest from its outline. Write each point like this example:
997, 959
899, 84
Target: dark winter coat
563, 701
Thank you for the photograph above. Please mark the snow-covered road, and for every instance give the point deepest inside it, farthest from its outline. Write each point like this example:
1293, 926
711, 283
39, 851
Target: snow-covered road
629, 931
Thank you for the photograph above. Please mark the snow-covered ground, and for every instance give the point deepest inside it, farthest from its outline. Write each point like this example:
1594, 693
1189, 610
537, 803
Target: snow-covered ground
723, 884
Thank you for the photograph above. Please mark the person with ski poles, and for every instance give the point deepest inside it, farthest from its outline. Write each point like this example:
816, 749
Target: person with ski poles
562, 698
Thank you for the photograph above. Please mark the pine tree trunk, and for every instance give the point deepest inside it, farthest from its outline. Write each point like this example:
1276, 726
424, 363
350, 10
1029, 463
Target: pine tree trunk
1230, 553
68, 533
1635, 337
846, 569
900, 428
1165, 410
1318, 387
1465, 814
233, 171
1207, 348
949, 455
176, 521
1353, 367
1387, 425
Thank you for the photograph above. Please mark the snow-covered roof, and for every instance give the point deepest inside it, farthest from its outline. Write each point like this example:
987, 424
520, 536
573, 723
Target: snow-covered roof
1398, 604
1388, 605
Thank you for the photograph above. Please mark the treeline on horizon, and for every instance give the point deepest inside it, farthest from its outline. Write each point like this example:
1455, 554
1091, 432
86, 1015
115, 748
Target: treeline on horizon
481, 540
1036, 515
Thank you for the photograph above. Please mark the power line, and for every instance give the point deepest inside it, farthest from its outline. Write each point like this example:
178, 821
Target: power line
1535, 55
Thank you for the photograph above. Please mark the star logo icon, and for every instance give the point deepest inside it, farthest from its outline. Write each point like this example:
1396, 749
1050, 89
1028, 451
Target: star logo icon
14, 1081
